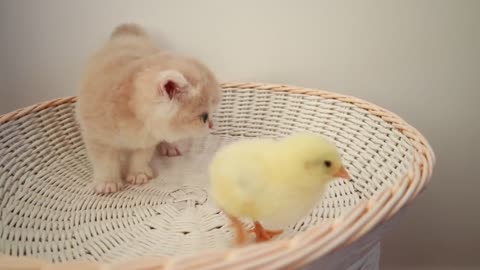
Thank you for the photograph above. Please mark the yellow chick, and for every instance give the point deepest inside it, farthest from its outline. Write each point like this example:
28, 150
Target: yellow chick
273, 182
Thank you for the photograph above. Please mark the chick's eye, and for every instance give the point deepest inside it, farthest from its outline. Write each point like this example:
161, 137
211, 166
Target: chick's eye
327, 163
204, 117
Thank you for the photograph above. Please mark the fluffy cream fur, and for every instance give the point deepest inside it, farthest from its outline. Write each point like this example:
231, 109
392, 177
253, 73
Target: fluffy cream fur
133, 97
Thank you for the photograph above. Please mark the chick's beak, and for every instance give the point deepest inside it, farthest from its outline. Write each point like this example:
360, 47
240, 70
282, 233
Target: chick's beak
342, 173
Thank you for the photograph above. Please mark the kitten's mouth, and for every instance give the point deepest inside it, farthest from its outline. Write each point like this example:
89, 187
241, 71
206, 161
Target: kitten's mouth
210, 124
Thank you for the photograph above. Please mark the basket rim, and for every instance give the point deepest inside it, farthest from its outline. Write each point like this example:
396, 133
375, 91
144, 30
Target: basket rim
302, 248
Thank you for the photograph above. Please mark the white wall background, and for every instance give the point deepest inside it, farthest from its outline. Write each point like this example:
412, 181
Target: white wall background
418, 58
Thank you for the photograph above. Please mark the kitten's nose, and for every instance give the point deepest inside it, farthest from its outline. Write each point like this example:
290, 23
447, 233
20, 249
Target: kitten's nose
210, 124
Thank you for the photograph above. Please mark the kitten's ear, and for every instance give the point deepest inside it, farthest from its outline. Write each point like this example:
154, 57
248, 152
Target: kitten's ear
171, 83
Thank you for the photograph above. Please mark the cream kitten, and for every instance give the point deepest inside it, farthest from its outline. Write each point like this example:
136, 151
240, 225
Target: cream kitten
135, 96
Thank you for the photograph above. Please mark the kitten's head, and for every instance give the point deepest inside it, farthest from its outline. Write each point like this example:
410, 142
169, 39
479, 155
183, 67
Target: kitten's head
175, 97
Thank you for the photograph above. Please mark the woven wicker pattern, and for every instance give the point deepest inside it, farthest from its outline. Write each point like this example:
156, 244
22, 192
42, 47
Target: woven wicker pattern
49, 211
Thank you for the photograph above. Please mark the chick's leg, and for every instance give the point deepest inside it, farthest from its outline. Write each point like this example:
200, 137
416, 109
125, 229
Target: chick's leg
240, 235
262, 234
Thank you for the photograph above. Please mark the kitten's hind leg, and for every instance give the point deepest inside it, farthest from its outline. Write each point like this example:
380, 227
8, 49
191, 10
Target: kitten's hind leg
139, 171
106, 162
168, 149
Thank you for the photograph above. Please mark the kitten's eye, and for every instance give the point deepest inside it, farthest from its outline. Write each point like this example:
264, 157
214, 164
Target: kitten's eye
327, 163
204, 117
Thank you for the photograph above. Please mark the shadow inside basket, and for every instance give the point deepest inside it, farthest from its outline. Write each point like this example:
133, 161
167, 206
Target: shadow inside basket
49, 210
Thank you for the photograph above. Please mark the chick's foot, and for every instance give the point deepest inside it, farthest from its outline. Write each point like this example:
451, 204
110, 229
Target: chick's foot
261, 234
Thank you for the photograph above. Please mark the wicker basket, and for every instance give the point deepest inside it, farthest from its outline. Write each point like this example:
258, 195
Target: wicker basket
51, 219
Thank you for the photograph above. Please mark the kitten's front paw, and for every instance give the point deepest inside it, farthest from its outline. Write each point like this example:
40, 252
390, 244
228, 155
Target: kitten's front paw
167, 149
139, 178
108, 187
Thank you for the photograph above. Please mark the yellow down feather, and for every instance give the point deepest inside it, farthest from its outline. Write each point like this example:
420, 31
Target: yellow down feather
275, 182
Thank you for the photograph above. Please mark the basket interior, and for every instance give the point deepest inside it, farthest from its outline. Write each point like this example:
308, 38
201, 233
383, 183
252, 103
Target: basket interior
48, 208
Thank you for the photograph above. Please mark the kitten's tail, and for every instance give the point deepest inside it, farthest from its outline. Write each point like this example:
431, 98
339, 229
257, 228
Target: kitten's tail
128, 29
